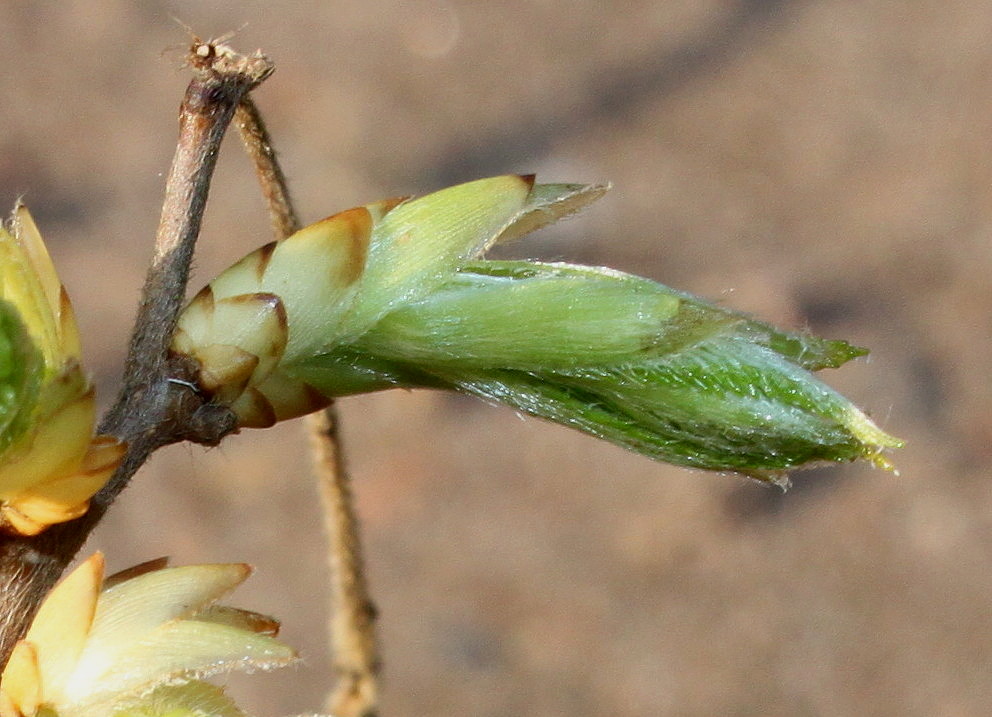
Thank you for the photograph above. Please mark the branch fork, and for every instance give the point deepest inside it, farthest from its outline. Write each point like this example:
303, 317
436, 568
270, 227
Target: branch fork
159, 402
153, 409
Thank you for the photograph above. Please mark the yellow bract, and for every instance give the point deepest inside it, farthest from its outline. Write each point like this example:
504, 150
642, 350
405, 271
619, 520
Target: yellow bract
141, 646
49, 473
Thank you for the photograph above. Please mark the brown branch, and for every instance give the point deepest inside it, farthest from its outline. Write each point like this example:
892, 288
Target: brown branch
258, 143
353, 640
151, 410
356, 654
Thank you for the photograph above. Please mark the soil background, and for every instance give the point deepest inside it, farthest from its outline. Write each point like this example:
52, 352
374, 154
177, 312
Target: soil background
821, 164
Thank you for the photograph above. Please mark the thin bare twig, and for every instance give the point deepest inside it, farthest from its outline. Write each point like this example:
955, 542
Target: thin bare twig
353, 639
353, 615
151, 410
258, 143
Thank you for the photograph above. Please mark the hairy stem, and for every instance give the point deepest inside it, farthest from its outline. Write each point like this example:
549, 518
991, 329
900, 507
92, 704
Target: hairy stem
353, 614
258, 144
353, 640
152, 410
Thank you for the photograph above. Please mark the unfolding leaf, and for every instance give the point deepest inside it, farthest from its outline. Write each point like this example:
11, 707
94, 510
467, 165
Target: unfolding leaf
618, 356
531, 322
50, 465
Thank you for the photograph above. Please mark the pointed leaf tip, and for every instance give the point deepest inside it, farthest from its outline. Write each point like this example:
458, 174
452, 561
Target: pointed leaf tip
548, 203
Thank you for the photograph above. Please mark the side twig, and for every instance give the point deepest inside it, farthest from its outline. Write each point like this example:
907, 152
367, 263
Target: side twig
356, 654
151, 410
258, 144
353, 640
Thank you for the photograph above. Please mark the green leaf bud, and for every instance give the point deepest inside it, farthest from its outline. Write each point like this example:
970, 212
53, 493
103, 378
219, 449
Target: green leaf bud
618, 356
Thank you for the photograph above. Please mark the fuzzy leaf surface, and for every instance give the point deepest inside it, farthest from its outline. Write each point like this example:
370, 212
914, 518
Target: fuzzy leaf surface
618, 356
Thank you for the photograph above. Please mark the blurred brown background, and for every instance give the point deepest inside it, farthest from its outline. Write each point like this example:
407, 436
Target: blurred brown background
821, 164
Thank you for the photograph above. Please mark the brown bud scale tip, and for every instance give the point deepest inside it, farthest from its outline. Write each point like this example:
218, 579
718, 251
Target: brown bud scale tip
261, 257
358, 227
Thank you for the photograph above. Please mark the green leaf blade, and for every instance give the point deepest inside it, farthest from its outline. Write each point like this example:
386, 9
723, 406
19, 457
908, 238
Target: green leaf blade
714, 422
527, 322
21, 376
